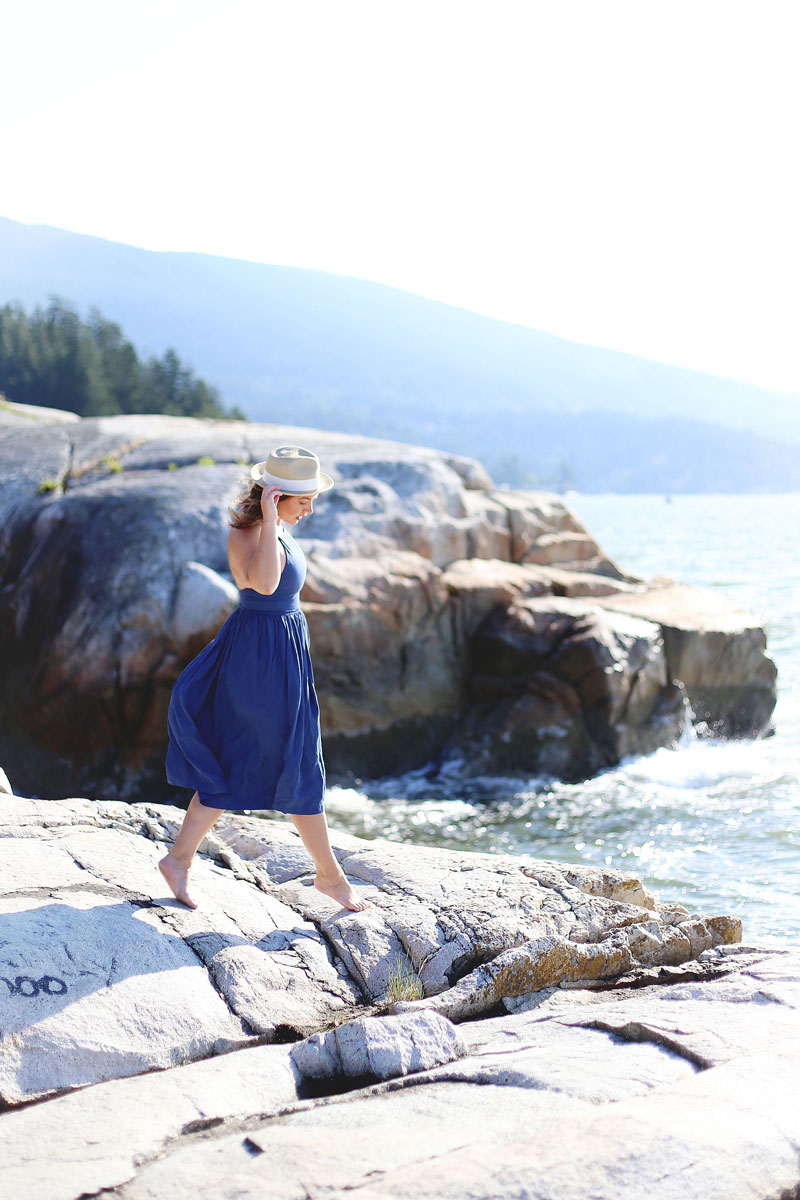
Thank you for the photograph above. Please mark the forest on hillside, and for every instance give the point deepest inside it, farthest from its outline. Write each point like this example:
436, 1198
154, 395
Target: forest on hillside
54, 358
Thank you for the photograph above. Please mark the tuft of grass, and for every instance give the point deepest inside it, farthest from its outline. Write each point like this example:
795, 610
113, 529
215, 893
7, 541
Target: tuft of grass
172, 466
49, 485
16, 411
205, 461
113, 463
404, 982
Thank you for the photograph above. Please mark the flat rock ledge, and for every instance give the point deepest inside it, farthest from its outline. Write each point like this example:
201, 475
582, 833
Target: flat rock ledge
268, 1043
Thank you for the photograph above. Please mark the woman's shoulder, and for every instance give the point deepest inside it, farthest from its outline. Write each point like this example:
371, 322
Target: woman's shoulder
243, 540
243, 533
242, 545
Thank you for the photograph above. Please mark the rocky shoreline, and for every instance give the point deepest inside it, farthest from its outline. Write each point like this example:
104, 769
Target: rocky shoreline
453, 623
492, 1026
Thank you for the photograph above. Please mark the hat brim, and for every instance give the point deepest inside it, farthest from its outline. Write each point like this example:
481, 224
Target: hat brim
292, 487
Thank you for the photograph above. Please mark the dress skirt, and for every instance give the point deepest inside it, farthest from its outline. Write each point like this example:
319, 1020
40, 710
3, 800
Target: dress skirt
243, 720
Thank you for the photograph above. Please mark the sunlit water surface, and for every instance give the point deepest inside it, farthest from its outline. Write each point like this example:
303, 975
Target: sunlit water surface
713, 824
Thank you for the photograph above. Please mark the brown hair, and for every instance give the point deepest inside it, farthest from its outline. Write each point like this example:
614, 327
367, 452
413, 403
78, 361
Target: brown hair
246, 509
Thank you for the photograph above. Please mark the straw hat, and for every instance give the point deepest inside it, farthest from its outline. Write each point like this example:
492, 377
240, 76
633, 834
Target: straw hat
294, 470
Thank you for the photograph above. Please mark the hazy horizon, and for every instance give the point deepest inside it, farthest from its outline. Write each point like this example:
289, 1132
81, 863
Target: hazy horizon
791, 395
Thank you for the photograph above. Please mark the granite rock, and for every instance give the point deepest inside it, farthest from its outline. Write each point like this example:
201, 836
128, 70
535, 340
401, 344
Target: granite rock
367, 1048
113, 574
104, 976
669, 1091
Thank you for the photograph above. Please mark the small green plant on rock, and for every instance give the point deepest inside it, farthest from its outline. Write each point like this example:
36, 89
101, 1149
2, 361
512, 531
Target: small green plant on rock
404, 982
17, 410
205, 461
172, 466
112, 463
49, 485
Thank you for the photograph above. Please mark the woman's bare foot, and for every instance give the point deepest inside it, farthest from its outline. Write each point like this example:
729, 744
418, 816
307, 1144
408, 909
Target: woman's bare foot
178, 879
340, 889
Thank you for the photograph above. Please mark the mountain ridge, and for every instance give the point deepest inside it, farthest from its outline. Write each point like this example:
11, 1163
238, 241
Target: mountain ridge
307, 346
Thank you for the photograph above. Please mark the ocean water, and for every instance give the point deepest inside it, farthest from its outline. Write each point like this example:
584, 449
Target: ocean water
713, 824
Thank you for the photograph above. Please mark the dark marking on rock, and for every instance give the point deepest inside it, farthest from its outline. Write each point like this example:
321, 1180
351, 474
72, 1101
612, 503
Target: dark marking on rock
26, 985
200, 1124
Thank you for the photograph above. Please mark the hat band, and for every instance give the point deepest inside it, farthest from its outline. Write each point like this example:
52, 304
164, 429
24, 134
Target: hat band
298, 487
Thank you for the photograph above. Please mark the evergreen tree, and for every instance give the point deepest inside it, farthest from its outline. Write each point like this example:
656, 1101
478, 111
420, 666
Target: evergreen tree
53, 358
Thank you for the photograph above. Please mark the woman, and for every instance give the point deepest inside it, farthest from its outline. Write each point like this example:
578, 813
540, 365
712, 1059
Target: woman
243, 717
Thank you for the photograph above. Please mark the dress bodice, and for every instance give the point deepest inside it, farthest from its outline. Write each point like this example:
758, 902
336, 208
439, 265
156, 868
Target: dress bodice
286, 597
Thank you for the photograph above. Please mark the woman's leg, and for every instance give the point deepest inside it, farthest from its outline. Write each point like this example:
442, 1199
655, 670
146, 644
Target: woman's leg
175, 865
330, 877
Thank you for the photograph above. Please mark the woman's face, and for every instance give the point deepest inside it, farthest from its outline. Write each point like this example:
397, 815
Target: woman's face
292, 509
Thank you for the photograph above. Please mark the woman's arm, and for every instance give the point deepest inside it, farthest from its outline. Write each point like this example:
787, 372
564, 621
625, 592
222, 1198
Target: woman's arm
255, 555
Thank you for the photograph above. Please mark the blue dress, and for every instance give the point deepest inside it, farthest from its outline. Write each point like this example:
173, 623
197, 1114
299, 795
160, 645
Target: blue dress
243, 719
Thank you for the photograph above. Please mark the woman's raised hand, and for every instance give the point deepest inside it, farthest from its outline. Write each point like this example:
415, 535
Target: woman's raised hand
269, 505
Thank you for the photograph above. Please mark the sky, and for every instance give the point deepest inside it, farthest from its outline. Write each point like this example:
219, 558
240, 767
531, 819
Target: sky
617, 172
